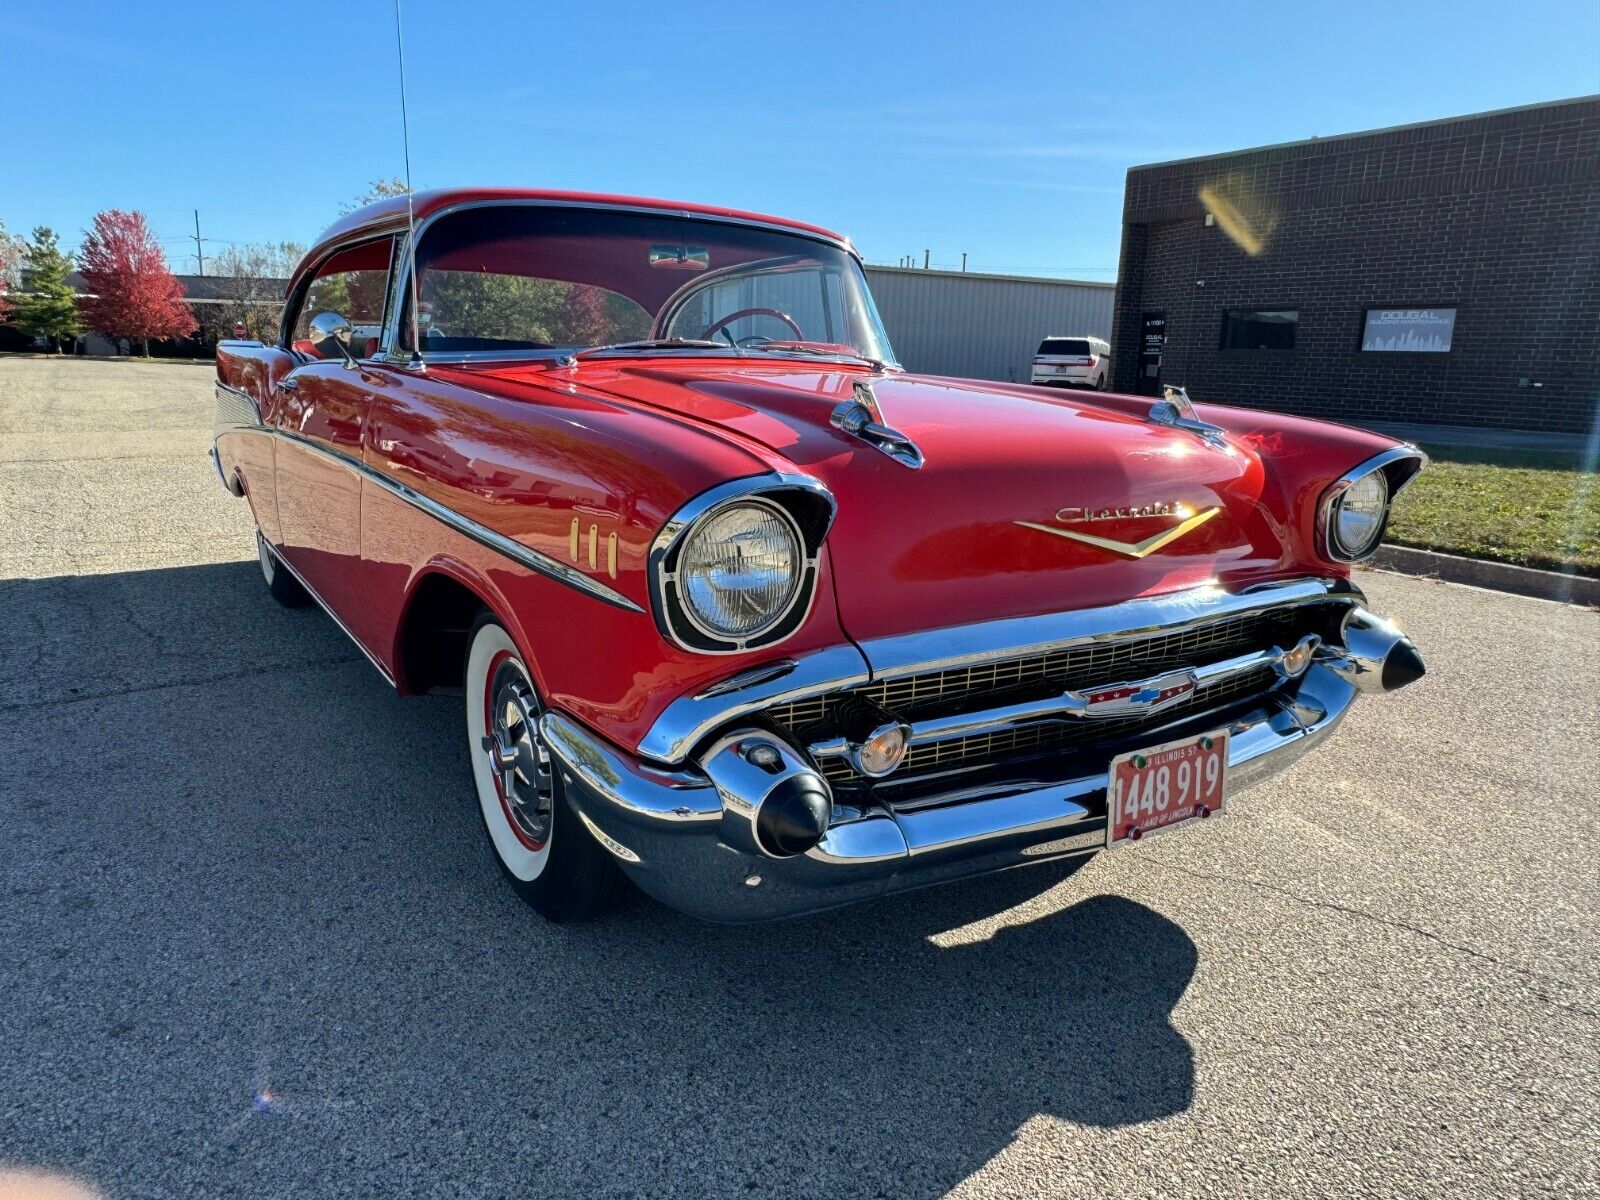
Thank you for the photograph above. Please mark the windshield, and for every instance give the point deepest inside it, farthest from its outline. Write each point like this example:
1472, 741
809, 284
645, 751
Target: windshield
520, 279
1065, 346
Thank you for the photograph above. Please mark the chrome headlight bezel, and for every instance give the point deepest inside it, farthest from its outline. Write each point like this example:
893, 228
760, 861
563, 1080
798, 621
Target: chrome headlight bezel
806, 510
1398, 467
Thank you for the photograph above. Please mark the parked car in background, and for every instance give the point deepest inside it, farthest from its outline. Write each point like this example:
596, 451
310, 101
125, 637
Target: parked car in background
744, 612
1073, 362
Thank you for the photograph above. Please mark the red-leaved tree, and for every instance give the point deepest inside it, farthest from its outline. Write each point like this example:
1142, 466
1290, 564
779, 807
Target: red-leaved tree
133, 293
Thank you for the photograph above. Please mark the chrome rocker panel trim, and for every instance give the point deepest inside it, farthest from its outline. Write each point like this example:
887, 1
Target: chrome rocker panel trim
691, 849
333, 616
690, 719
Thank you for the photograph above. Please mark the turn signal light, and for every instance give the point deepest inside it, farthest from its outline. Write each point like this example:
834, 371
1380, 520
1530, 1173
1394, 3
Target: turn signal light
1296, 661
882, 752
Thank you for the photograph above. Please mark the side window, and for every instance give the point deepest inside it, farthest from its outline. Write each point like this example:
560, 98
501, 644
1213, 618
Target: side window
353, 283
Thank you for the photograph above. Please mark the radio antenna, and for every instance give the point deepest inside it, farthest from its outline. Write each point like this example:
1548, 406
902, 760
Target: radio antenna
416, 363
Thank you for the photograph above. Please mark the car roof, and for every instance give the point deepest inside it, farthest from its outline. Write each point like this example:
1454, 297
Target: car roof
391, 213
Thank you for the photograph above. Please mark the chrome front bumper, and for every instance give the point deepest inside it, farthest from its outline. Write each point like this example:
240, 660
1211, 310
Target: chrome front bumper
687, 833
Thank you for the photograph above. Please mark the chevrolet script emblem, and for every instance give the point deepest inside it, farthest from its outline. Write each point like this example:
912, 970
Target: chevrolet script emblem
1189, 521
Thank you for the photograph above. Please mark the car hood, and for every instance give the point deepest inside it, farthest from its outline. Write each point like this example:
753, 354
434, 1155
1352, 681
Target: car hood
978, 531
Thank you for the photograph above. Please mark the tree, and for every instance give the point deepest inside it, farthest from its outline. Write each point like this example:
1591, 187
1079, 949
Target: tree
381, 189
12, 252
249, 282
131, 293
45, 305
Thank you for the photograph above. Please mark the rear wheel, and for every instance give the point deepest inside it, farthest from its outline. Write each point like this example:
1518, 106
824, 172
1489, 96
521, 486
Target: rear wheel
546, 854
285, 588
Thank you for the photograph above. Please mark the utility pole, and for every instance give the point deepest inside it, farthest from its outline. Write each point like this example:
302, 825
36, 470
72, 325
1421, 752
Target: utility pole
963, 262
199, 251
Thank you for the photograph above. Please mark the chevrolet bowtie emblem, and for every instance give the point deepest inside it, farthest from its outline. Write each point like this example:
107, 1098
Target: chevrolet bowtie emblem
1131, 549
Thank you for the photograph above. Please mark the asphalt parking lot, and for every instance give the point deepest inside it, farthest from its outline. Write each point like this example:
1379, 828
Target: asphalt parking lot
254, 944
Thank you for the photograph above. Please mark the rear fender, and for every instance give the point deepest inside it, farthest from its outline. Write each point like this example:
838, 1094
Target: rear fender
247, 388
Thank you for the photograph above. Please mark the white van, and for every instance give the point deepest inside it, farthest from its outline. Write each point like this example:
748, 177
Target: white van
1073, 362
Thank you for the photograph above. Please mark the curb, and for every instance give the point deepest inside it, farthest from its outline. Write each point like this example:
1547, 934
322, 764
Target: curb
1502, 577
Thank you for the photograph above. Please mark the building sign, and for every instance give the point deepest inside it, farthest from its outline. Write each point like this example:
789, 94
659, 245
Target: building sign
1152, 340
1416, 329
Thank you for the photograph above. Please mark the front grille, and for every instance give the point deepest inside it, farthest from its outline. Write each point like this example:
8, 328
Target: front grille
1009, 681
1052, 736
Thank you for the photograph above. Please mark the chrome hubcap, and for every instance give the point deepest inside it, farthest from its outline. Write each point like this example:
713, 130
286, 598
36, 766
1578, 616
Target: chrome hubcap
517, 754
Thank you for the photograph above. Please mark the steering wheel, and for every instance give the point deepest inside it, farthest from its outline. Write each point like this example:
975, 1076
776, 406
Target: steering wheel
720, 325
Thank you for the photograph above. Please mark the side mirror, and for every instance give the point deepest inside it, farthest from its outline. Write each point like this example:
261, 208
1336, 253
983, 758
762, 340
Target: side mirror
331, 334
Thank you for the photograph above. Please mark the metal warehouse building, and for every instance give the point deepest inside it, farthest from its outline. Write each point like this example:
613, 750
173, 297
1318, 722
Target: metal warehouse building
1443, 273
977, 326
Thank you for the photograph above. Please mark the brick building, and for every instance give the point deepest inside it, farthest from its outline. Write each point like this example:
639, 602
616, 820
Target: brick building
1445, 273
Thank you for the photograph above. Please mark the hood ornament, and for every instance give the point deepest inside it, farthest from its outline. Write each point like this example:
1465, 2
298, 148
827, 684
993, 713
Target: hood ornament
1176, 411
1191, 521
859, 417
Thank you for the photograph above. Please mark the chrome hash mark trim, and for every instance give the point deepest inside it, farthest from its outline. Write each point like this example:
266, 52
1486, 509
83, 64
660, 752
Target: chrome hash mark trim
482, 534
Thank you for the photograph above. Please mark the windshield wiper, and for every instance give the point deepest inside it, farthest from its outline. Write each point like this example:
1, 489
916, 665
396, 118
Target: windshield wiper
650, 344
818, 352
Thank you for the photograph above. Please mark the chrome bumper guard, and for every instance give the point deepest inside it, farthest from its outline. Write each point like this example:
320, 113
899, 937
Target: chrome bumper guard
693, 835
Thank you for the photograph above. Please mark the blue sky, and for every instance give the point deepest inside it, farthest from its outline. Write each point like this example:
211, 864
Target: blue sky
999, 129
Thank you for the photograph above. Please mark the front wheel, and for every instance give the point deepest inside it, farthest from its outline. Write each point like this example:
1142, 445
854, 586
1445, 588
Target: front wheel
551, 861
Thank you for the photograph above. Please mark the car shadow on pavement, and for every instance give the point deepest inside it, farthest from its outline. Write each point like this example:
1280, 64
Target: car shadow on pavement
284, 925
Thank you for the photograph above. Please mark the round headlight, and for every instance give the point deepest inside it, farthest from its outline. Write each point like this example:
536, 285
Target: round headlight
740, 570
1358, 516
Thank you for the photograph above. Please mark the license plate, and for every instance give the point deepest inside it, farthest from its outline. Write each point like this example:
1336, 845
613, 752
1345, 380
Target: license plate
1164, 786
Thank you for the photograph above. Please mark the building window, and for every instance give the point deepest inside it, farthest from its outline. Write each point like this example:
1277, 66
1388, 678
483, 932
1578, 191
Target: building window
1259, 329
1419, 330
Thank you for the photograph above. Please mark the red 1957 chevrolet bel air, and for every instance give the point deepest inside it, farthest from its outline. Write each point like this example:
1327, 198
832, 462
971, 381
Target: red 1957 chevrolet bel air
745, 613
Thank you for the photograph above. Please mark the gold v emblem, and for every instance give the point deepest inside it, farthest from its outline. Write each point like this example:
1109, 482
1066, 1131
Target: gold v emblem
1131, 549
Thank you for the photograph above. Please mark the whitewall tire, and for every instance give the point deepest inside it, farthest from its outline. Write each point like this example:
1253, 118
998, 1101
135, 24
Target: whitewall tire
548, 857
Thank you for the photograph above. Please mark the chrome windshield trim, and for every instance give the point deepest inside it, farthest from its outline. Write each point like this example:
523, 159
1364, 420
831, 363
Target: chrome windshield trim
1020, 637
685, 722
482, 534
400, 281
